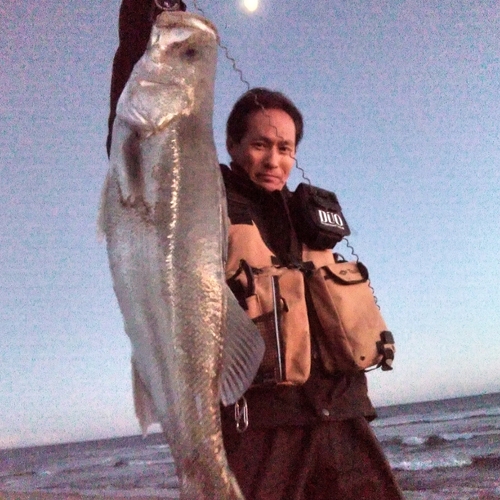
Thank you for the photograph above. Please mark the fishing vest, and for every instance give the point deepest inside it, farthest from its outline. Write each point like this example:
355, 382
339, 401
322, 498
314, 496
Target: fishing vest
352, 335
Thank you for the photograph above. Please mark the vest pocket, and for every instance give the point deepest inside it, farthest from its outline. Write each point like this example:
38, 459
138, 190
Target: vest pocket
274, 298
354, 335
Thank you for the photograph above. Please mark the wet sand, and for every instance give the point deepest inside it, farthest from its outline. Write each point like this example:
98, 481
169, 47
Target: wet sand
38, 495
65, 495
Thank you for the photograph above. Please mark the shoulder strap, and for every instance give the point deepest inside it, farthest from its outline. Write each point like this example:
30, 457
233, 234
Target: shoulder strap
246, 243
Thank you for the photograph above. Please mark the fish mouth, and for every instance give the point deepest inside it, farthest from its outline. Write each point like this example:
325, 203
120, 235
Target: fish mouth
179, 19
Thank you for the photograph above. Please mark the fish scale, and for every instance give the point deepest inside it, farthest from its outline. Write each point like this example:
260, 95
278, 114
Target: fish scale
164, 217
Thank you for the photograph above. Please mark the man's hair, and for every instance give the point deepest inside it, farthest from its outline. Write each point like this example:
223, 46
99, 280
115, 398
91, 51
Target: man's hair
258, 99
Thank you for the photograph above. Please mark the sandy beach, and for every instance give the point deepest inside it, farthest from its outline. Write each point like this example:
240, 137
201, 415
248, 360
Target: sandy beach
38, 495
65, 495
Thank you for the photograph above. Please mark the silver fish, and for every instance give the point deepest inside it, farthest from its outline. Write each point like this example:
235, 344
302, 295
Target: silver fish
164, 216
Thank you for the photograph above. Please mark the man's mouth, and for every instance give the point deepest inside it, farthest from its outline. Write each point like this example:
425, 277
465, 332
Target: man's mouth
268, 177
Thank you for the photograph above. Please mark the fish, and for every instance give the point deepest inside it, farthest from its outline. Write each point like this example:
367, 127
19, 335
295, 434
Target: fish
164, 217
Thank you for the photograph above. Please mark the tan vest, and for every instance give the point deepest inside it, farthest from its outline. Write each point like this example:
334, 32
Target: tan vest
274, 296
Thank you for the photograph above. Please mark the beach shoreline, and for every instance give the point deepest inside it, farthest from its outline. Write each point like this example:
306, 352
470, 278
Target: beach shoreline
41, 495
86, 495
65, 495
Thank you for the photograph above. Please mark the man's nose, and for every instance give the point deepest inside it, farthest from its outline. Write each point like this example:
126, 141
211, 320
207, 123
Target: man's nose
272, 158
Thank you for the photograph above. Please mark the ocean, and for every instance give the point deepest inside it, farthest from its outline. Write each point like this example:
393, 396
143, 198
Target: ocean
439, 450
444, 450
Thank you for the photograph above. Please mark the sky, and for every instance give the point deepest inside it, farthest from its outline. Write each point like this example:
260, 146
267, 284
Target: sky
401, 105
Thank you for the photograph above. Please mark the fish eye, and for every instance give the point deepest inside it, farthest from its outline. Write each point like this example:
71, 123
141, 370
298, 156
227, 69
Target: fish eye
190, 53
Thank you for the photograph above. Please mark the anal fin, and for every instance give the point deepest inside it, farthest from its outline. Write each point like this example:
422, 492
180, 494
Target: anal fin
143, 402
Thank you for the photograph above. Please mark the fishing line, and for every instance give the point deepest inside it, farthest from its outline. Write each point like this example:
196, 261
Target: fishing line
176, 5
198, 8
245, 82
351, 248
241, 76
302, 172
356, 256
234, 65
231, 59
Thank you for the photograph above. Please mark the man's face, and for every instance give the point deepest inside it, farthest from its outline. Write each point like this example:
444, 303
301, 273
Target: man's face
267, 150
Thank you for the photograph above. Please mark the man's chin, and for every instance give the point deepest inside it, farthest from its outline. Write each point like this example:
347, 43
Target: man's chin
269, 184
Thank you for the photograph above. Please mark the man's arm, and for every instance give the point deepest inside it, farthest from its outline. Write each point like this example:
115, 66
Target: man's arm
134, 27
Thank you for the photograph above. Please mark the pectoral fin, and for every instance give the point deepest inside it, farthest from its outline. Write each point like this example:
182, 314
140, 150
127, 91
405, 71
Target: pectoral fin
243, 352
125, 164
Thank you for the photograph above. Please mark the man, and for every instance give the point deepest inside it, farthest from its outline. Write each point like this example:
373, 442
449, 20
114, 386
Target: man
308, 440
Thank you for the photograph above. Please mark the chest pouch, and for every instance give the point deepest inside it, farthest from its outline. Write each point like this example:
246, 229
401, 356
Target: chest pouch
354, 335
317, 217
274, 298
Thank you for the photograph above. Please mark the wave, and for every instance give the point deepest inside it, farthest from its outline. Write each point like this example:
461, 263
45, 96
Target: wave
161, 447
429, 463
432, 440
417, 418
146, 463
75, 465
445, 462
